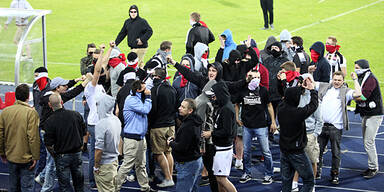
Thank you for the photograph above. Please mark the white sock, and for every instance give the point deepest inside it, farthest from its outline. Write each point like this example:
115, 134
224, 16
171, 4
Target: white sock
294, 184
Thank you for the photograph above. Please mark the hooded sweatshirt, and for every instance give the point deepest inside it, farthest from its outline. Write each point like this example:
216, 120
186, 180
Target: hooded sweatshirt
135, 28
265, 53
293, 137
323, 69
200, 63
285, 36
135, 115
225, 120
184, 88
229, 44
197, 78
107, 130
186, 146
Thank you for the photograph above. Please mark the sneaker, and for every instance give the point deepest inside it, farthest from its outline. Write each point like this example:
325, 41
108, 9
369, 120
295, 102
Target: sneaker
93, 187
267, 180
245, 178
295, 189
272, 27
166, 183
131, 178
335, 179
239, 164
204, 181
147, 189
39, 180
276, 170
369, 173
264, 28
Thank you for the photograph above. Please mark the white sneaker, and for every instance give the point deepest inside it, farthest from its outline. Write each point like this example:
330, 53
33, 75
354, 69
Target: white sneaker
39, 181
166, 183
239, 164
295, 186
276, 169
131, 178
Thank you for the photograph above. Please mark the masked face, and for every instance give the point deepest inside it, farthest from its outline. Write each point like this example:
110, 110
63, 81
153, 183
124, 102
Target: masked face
254, 84
275, 53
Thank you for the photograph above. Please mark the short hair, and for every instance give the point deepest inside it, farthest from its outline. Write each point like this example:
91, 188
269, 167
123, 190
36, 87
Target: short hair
297, 40
55, 101
160, 72
338, 73
136, 85
333, 38
90, 45
191, 104
289, 66
195, 16
22, 92
165, 45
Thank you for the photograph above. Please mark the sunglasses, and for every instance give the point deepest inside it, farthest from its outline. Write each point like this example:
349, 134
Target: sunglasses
133, 11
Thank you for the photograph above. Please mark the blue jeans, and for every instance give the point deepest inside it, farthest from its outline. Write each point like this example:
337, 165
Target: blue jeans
188, 175
262, 137
43, 156
300, 163
91, 154
50, 174
20, 177
67, 165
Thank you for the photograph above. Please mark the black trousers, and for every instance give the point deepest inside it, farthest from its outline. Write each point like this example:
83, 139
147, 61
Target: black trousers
267, 7
332, 134
208, 163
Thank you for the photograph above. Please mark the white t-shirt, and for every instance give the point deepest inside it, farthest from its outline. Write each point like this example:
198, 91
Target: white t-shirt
331, 109
91, 92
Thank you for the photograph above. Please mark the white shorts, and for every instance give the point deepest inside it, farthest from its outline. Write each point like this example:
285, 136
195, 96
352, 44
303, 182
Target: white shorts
222, 161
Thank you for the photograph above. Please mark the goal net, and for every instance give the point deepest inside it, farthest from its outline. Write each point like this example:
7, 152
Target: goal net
22, 44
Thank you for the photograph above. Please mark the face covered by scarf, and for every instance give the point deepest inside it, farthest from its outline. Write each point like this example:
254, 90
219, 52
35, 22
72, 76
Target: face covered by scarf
314, 56
254, 84
42, 80
332, 48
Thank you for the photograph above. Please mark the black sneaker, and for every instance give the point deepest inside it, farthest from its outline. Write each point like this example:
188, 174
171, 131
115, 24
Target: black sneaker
335, 179
204, 181
267, 180
318, 176
369, 173
245, 178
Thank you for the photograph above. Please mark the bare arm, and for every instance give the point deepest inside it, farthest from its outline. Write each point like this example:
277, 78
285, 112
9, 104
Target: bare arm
272, 115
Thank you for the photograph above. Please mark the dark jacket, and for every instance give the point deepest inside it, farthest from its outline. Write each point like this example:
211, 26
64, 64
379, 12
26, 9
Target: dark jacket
196, 77
265, 53
120, 99
85, 62
186, 146
198, 33
370, 88
225, 121
323, 69
135, 28
273, 65
64, 130
47, 111
37, 95
163, 112
293, 136
302, 61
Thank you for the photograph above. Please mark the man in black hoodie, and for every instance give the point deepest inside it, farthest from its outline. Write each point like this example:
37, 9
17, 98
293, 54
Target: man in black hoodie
319, 65
293, 136
138, 31
186, 147
222, 135
162, 123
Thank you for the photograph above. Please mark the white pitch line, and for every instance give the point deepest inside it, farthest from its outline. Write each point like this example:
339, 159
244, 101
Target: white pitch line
330, 18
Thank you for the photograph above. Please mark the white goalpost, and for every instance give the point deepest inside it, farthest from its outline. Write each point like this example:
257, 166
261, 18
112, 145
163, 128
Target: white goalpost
23, 45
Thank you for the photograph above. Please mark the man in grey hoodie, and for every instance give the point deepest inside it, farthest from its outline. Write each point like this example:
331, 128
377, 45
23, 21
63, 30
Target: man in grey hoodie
107, 133
265, 53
